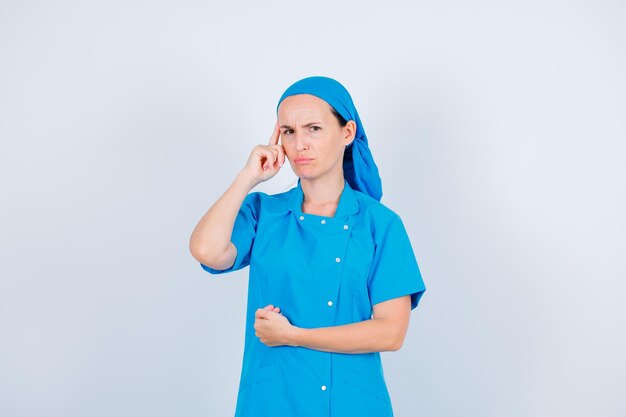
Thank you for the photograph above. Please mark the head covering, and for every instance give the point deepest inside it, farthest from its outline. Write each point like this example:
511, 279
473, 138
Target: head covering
359, 168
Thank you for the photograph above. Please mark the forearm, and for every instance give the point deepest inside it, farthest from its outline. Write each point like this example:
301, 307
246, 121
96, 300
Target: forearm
210, 238
372, 335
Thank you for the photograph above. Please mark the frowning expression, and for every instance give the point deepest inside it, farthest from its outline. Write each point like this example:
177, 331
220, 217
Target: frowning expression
312, 137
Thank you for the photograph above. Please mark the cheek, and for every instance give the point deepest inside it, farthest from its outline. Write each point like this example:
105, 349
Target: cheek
290, 151
333, 148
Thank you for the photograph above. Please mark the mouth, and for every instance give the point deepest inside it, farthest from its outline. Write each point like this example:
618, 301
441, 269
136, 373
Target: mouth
303, 160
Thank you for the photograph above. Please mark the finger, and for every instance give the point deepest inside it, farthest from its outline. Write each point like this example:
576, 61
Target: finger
269, 158
275, 157
281, 154
275, 135
270, 154
261, 154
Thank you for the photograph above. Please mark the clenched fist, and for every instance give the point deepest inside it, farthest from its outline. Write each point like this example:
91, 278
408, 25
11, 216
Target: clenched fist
272, 327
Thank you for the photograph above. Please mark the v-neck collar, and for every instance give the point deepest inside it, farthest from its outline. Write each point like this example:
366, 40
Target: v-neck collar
347, 205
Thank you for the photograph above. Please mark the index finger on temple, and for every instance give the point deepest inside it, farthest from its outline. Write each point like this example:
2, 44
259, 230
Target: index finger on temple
275, 134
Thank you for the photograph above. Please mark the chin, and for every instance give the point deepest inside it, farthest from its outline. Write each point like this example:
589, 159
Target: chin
306, 174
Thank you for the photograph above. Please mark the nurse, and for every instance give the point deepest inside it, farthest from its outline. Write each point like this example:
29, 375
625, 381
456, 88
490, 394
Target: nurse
332, 278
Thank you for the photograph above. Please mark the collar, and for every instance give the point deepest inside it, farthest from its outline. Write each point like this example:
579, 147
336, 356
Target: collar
347, 205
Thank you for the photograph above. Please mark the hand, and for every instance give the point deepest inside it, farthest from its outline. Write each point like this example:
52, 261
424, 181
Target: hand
266, 160
271, 307
272, 327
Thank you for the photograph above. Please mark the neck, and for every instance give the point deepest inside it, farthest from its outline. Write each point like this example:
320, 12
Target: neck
320, 193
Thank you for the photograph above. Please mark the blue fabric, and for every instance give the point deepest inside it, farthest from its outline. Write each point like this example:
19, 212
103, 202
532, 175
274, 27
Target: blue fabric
321, 271
359, 168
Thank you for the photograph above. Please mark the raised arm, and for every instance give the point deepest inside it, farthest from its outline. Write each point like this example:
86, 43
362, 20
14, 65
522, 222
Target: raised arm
210, 242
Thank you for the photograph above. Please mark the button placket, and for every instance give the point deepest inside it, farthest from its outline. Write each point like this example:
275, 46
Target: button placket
334, 226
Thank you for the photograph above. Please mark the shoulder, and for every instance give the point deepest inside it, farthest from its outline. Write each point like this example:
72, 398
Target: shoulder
262, 201
383, 221
374, 211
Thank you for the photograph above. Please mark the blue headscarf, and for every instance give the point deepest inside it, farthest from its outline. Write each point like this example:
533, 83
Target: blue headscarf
359, 168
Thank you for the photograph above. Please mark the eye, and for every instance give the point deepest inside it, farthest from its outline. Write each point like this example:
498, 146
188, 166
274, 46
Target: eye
286, 130
316, 127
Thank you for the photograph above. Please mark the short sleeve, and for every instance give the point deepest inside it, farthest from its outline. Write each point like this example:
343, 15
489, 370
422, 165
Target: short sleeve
394, 271
244, 232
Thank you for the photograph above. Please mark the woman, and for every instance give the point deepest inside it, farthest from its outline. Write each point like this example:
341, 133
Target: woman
333, 277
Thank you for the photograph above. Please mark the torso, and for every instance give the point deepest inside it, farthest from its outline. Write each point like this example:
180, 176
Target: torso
318, 264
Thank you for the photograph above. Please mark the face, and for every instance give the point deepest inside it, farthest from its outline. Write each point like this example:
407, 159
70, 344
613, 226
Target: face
309, 130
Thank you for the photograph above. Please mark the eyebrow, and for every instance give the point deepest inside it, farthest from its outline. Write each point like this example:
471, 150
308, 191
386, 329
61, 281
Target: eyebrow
306, 125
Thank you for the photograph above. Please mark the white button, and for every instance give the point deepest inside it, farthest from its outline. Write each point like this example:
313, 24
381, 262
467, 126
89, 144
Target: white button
301, 217
323, 387
330, 303
337, 259
345, 226
323, 221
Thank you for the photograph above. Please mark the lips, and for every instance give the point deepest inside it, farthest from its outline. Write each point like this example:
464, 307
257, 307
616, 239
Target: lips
303, 159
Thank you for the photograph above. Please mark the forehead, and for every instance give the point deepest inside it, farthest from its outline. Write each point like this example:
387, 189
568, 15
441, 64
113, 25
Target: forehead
303, 106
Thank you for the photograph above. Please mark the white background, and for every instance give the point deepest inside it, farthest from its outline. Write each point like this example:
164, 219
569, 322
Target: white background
498, 129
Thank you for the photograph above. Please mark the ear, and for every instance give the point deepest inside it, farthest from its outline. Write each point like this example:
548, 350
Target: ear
350, 129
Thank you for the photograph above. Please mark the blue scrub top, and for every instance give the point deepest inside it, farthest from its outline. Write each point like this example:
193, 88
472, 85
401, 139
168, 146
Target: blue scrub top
321, 271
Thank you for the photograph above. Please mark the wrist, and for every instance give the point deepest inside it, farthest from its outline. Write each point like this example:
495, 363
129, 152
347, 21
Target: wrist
293, 337
246, 178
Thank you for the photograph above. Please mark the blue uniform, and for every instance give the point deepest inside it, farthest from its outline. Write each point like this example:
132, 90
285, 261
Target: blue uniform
321, 271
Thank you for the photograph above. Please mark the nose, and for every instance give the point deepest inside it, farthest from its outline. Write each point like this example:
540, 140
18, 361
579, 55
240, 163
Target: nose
301, 143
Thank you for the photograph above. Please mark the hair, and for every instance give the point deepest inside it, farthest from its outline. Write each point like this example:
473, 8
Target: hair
342, 121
